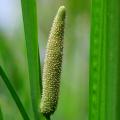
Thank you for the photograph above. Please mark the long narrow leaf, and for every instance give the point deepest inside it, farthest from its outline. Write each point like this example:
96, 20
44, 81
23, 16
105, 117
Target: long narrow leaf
31, 36
14, 94
105, 60
96, 46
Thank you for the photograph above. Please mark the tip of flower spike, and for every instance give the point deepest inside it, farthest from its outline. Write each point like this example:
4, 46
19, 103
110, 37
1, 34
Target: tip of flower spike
61, 13
62, 8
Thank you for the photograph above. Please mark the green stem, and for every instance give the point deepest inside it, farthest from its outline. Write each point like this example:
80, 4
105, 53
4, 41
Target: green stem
14, 94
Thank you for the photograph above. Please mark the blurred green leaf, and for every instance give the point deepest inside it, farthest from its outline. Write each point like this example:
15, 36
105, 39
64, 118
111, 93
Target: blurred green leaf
1, 115
14, 94
10, 63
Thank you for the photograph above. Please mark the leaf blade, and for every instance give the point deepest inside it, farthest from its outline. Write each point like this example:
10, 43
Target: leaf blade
31, 36
14, 94
104, 60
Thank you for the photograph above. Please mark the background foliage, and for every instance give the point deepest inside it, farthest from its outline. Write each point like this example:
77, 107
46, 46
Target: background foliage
73, 102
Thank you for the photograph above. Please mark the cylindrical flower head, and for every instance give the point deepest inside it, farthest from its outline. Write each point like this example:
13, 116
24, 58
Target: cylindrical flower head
52, 65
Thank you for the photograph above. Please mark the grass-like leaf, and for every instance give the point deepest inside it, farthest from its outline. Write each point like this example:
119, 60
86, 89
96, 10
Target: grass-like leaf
104, 60
96, 63
14, 94
31, 35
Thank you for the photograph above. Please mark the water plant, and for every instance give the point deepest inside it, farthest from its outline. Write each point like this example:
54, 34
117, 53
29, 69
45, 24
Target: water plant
104, 77
52, 65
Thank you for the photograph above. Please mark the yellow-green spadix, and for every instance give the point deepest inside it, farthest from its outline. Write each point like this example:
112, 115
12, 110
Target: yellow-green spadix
52, 65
